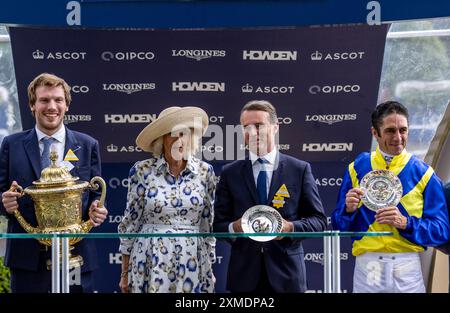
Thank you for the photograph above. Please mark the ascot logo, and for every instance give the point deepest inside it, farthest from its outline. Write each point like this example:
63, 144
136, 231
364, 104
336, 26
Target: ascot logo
247, 88
330, 119
327, 147
317, 56
328, 181
129, 118
73, 118
198, 86
198, 54
67, 55
127, 56
114, 148
38, 55
269, 55
129, 88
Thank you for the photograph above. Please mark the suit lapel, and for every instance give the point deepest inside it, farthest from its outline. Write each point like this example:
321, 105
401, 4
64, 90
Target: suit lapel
277, 177
250, 180
31, 146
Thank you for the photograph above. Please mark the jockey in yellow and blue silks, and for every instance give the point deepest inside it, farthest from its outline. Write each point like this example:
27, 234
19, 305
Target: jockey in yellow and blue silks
423, 205
419, 220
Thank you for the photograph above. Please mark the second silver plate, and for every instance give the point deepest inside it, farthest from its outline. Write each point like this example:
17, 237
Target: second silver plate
382, 188
262, 219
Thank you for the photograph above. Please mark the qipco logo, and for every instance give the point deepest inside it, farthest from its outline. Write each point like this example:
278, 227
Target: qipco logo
80, 89
334, 89
127, 56
116, 182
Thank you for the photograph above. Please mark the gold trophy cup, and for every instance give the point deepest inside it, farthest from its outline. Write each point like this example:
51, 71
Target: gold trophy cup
57, 198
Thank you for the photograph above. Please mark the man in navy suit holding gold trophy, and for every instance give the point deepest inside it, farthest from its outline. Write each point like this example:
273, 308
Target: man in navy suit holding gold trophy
22, 158
267, 177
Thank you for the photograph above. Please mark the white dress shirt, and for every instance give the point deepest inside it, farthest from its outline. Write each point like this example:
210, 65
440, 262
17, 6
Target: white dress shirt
256, 168
58, 145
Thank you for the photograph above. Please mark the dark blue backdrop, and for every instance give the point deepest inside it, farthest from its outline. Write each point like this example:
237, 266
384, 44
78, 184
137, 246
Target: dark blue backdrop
323, 81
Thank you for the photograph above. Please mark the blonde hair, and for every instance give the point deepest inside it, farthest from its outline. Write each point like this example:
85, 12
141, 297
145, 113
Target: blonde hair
48, 80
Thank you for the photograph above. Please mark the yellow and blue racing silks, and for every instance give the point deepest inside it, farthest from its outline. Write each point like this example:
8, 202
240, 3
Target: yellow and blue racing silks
423, 203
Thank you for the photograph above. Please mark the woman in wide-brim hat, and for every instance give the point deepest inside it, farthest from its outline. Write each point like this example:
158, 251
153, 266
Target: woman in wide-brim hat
173, 191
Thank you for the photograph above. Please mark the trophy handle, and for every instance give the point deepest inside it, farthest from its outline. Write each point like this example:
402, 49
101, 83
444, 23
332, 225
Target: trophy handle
94, 184
28, 228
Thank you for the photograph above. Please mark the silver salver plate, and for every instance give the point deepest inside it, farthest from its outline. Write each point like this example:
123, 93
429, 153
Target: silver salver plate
261, 219
382, 188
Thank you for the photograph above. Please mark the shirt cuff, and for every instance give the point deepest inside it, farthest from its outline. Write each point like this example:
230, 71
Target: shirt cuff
230, 228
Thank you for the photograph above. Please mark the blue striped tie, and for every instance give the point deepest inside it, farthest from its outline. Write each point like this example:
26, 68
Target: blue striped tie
45, 156
261, 183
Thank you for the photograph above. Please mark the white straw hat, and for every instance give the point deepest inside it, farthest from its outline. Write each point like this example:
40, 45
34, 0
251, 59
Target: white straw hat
171, 119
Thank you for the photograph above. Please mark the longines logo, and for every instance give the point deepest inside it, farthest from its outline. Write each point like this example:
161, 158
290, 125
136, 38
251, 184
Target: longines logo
318, 257
317, 56
198, 86
66, 55
198, 54
281, 147
129, 88
115, 218
127, 56
269, 55
330, 118
73, 118
327, 147
129, 118
247, 88
114, 148
328, 181
315, 89
79, 89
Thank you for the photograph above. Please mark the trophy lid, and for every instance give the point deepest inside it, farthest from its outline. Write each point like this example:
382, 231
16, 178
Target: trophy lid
54, 175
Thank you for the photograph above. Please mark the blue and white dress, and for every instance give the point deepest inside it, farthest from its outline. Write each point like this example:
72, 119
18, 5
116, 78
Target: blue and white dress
158, 202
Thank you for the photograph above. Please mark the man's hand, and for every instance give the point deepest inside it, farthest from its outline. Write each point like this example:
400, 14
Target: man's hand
391, 216
288, 227
96, 214
9, 198
237, 227
352, 199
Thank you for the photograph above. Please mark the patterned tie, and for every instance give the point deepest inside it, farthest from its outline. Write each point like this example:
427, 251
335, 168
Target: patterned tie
261, 183
45, 157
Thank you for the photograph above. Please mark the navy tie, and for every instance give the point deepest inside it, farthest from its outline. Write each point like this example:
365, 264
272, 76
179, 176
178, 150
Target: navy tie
45, 156
261, 183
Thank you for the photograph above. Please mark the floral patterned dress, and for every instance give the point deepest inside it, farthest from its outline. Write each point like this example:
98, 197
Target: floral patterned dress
158, 202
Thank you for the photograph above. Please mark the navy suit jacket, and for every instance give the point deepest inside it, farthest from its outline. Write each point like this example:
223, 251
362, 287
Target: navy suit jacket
20, 161
236, 192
